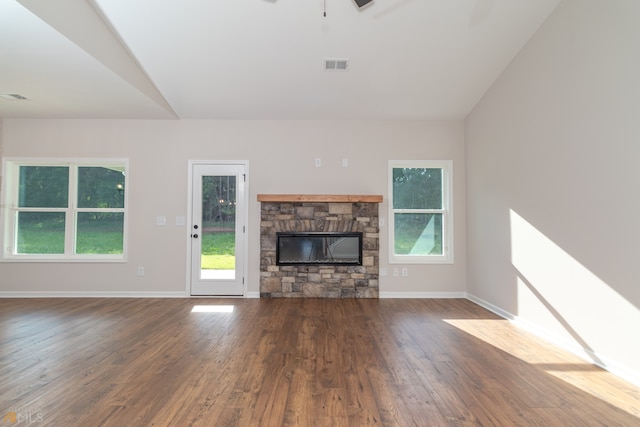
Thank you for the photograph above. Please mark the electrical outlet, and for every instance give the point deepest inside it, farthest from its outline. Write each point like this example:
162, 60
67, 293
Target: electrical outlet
318, 162
383, 271
345, 163
140, 271
396, 273
405, 272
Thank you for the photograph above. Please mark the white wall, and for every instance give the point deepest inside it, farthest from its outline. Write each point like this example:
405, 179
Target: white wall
552, 183
281, 156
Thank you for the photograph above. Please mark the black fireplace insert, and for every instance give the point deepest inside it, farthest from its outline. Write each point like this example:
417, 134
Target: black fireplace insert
319, 248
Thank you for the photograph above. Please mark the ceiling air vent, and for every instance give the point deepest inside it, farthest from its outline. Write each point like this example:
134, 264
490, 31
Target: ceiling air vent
336, 64
12, 96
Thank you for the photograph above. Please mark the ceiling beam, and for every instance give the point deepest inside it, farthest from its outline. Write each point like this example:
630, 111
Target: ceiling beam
82, 22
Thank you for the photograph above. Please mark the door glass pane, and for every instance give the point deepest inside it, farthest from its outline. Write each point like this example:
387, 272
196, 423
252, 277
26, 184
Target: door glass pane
43, 187
418, 234
40, 233
100, 233
417, 188
218, 252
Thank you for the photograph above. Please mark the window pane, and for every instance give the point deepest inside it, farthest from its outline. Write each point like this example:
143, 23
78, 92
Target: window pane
418, 234
40, 233
100, 187
43, 187
99, 233
417, 188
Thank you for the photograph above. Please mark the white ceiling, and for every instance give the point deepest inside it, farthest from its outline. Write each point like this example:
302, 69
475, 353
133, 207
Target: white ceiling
257, 59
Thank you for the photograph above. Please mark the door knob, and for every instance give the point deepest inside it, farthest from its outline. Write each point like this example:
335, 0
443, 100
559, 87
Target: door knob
195, 236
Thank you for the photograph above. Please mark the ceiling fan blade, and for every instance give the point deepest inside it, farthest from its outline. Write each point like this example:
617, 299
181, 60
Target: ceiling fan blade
361, 3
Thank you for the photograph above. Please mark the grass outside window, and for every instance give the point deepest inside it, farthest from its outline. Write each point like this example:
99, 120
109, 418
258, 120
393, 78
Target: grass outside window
218, 247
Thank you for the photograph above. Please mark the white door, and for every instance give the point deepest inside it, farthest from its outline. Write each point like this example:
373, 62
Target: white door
217, 229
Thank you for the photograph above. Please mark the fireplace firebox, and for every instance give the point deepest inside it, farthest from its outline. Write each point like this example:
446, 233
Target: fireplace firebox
315, 248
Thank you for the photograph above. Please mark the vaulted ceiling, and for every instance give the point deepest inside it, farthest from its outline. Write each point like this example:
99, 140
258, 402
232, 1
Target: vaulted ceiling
257, 59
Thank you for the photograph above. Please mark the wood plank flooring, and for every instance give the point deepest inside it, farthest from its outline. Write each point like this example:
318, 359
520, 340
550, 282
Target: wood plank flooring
291, 362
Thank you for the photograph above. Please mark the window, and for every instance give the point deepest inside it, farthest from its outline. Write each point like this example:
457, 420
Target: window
64, 210
420, 214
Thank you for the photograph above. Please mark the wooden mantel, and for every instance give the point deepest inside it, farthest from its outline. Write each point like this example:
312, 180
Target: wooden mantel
321, 198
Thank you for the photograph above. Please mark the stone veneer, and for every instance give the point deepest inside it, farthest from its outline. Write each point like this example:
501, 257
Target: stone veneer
319, 281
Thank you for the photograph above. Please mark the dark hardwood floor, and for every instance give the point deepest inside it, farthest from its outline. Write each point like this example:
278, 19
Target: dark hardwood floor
291, 362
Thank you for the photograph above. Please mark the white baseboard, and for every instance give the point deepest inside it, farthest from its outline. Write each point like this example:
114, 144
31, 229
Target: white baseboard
76, 294
423, 295
586, 354
492, 308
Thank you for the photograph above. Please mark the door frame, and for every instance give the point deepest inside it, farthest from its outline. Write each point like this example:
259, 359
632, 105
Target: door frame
189, 222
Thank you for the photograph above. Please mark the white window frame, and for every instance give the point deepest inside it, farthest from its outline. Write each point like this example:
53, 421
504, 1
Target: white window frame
447, 212
9, 208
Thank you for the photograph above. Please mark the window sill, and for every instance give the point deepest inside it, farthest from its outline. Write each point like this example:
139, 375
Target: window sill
420, 260
31, 259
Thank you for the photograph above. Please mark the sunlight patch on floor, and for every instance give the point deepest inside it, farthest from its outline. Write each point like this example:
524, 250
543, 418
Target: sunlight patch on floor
505, 336
555, 361
589, 379
212, 309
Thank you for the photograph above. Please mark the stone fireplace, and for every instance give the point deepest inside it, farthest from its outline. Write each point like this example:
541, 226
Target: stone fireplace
313, 215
